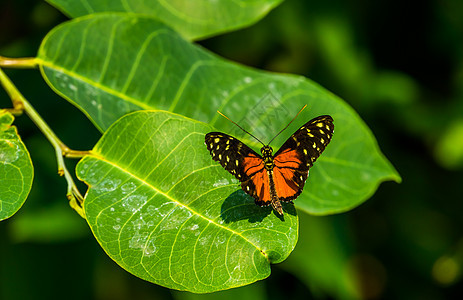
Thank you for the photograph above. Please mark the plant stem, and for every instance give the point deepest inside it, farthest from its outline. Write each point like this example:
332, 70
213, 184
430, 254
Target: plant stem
21, 104
26, 62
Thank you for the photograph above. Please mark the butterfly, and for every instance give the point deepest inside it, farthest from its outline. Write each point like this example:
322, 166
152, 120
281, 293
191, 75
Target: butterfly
271, 178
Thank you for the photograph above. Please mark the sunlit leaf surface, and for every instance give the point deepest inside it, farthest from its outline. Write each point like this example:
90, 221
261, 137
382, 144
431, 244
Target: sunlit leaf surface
166, 212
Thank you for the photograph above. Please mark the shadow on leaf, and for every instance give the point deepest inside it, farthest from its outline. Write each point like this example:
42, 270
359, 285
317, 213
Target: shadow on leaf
240, 206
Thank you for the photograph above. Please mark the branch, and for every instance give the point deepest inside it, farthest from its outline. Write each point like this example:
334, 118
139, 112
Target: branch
26, 62
21, 104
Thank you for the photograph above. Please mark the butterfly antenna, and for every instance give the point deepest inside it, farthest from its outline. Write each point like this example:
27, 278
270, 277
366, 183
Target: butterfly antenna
240, 127
288, 124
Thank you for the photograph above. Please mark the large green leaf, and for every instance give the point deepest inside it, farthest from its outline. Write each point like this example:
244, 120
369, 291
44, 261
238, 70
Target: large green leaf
194, 19
111, 64
16, 171
166, 212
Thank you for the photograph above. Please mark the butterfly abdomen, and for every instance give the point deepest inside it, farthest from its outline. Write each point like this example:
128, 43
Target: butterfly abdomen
274, 200
269, 165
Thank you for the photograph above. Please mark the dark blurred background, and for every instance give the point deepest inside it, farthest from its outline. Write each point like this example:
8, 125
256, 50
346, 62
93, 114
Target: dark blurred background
399, 64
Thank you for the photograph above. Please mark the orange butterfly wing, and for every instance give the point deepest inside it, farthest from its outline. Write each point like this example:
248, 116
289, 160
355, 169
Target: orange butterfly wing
257, 185
291, 162
286, 187
242, 162
289, 181
297, 155
233, 155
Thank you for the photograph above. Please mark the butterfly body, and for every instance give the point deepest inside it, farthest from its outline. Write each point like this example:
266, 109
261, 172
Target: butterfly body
271, 179
267, 158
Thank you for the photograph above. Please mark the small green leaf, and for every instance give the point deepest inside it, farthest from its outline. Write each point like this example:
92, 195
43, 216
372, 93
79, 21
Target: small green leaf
166, 212
16, 171
193, 19
112, 64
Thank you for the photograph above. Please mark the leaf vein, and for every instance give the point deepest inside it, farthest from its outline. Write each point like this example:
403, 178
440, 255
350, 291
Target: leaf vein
176, 201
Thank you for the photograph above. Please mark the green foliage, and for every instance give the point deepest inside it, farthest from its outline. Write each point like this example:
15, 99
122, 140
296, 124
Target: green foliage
164, 211
193, 19
16, 170
138, 63
157, 203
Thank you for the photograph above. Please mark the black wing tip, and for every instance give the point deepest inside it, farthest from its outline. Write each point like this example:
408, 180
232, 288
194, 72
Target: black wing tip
211, 134
323, 117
